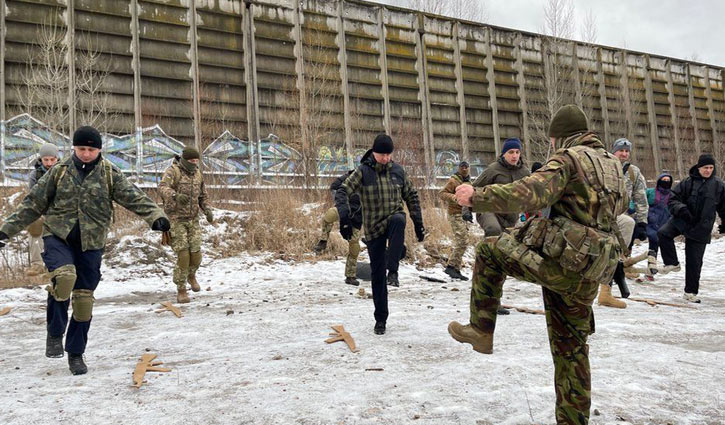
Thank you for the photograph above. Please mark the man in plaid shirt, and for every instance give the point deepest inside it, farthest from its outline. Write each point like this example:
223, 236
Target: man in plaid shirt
383, 186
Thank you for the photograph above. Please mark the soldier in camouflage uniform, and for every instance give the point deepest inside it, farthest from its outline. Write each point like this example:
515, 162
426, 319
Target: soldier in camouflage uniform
331, 217
569, 253
76, 199
383, 186
457, 218
47, 158
184, 195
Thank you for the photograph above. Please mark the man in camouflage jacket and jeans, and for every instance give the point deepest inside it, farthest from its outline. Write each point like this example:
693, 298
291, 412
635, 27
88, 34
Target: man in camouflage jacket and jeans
569, 253
457, 218
383, 186
76, 196
184, 195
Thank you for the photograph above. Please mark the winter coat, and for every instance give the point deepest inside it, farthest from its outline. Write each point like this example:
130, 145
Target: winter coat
447, 194
637, 190
501, 172
37, 173
658, 215
177, 179
703, 198
69, 196
382, 189
353, 200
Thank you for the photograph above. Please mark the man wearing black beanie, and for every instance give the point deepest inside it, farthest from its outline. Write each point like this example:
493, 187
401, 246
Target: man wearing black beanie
383, 186
693, 204
76, 198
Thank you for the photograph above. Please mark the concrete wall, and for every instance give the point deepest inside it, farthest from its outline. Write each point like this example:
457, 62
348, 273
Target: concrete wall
445, 89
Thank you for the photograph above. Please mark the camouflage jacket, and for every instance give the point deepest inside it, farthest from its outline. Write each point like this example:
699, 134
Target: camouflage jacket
38, 172
177, 179
501, 172
637, 190
557, 184
65, 199
382, 189
447, 194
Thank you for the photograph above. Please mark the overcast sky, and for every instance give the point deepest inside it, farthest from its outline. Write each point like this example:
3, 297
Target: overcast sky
677, 28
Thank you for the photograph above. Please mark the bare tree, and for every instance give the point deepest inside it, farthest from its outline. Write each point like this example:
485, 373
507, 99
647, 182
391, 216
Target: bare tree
588, 30
559, 19
46, 82
470, 10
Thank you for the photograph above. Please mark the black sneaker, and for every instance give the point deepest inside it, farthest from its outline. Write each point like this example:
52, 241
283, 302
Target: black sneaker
379, 328
321, 246
454, 273
352, 281
392, 281
76, 364
54, 346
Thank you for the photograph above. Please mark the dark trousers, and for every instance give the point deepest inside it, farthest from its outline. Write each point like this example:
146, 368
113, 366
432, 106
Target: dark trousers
88, 273
392, 243
694, 251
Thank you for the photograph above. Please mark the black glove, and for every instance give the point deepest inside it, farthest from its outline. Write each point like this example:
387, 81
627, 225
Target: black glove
4, 237
467, 215
346, 228
161, 224
181, 198
419, 231
686, 215
640, 231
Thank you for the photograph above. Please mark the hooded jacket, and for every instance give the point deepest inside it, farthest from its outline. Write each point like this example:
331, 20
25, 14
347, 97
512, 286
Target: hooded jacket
703, 198
657, 198
447, 194
382, 189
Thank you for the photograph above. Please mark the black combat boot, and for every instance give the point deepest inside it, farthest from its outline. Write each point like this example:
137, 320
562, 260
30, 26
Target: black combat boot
379, 328
392, 281
76, 364
54, 346
352, 281
454, 273
321, 246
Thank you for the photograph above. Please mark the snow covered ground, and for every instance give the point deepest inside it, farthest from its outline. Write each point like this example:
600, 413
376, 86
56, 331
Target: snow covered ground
250, 350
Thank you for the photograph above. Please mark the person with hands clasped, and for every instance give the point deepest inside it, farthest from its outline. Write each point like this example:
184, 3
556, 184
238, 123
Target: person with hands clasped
382, 186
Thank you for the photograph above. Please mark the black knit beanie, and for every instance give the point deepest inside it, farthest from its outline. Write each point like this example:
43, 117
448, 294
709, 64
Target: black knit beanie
87, 136
705, 159
383, 144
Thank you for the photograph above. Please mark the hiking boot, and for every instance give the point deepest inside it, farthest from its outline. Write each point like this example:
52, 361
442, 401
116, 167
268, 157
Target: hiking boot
76, 364
670, 268
321, 246
691, 298
54, 346
379, 328
502, 311
182, 297
606, 299
352, 281
193, 283
393, 281
454, 273
481, 341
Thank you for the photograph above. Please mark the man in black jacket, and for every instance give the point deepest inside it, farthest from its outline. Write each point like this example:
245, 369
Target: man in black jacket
383, 186
693, 204
331, 217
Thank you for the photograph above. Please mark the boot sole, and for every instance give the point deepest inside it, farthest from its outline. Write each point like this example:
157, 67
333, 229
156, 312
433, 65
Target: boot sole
52, 356
465, 340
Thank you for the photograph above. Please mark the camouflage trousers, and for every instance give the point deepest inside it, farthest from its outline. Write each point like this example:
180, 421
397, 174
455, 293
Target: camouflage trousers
353, 248
460, 240
186, 243
569, 321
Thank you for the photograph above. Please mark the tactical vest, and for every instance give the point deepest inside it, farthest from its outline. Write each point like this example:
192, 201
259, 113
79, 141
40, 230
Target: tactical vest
590, 249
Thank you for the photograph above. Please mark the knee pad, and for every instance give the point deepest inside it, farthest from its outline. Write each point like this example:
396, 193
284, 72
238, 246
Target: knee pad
63, 280
195, 260
82, 305
331, 215
183, 259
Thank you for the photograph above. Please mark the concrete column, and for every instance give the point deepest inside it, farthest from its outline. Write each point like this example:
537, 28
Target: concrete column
195, 75
491, 78
384, 71
693, 110
673, 118
427, 123
652, 117
71, 62
342, 58
711, 112
460, 93
603, 96
250, 81
521, 81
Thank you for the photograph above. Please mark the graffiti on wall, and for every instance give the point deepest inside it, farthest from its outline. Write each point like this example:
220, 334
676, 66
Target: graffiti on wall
228, 160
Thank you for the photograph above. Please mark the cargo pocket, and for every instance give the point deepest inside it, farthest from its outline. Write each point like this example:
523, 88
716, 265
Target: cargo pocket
577, 244
534, 232
519, 252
